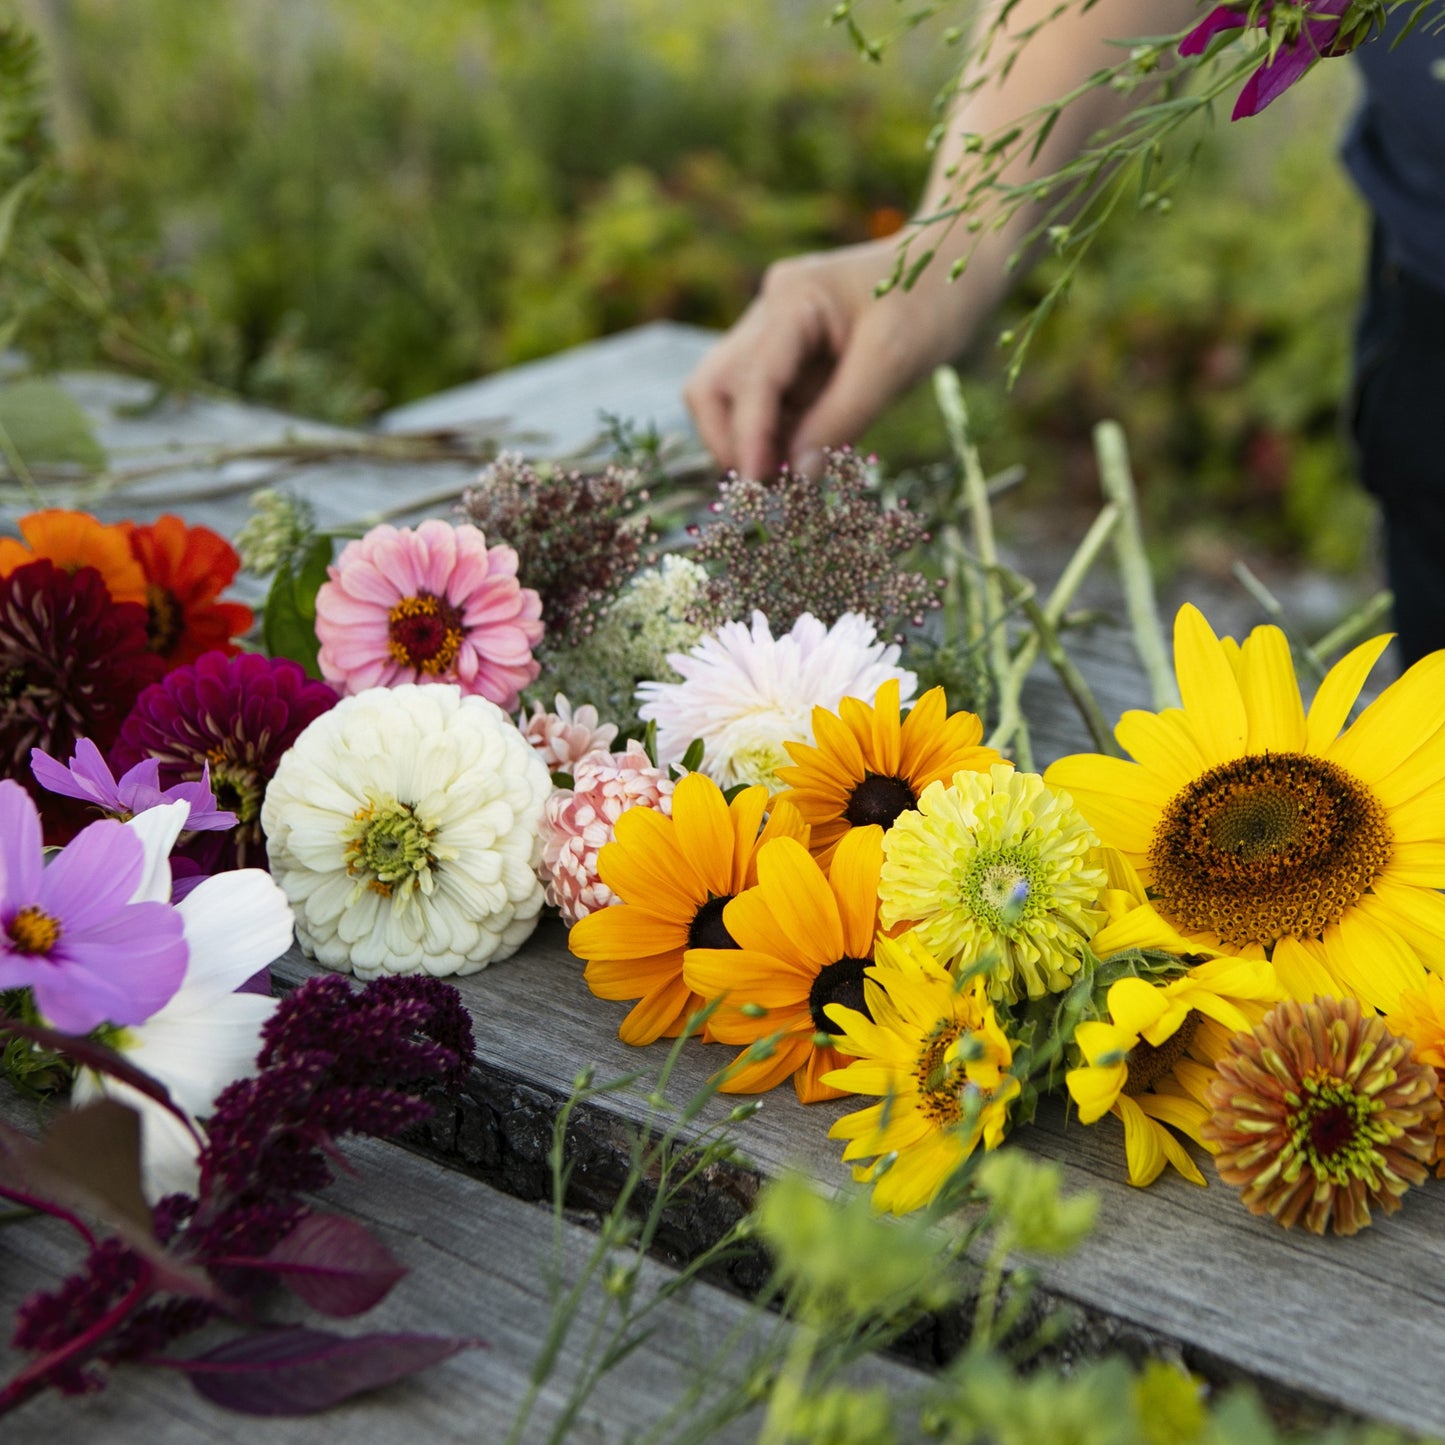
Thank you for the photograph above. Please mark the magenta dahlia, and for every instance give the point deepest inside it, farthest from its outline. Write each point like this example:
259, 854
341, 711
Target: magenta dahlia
434, 604
72, 663
236, 714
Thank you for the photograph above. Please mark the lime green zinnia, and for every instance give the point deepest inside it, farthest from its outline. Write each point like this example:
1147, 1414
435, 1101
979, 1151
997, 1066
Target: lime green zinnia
999, 864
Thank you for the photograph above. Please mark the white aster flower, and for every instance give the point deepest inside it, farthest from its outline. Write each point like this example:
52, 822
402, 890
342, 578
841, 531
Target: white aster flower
746, 693
207, 1035
403, 827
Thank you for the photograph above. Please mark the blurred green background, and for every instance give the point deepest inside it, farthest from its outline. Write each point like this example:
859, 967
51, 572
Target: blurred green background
339, 205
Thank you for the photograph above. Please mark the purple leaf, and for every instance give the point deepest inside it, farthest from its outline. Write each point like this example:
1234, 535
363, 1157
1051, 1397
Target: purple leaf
294, 1371
334, 1264
92, 1055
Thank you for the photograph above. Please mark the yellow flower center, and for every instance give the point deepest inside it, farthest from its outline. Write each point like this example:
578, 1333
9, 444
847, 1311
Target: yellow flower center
1267, 846
424, 632
33, 932
940, 1075
164, 620
1148, 1063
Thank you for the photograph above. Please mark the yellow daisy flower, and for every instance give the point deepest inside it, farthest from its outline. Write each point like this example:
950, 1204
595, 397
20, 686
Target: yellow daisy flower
933, 1051
870, 763
803, 941
1148, 1064
1420, 1017
1262, 830
675, 876
996, 865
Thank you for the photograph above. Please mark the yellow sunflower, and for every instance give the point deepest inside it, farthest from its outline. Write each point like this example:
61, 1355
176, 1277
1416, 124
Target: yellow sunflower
932, 1050
804, 938
1262, 830
1148, 1064
870, 763
674, 876
1420, 1017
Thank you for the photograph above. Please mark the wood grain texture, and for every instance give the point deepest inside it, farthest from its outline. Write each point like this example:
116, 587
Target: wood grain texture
480, 1265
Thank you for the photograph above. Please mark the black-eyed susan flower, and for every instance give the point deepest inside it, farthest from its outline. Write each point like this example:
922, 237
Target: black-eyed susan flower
996, 864
931, 1049
804, 939
871, 763
675, 876
1148, 1063
1320, 1113
1261, 829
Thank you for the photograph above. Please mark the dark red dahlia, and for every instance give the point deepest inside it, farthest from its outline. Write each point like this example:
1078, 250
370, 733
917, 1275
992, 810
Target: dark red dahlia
239, 714
72, 663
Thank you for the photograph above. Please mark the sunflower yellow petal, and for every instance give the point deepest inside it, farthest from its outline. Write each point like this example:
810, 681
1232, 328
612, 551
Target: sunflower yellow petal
625, 931
1421, 865
1301, 974
1390, 729
746, 977
1421, 819
704, 830
1209, 688
1371, 961
1416, 914
1271, 693
745, 813
759, 1075
1337, 693
1178, 1112
1121, 801
1421, 773
1094, 1090
853, 878
1163, 743
1136, 1006
798, 896
656, 1012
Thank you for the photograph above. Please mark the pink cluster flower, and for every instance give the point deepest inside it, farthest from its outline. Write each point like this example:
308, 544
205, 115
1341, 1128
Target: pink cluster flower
563, 738
430, 604
578, 821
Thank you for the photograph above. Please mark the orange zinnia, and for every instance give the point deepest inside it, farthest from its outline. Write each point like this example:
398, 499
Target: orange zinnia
675, 877
803, 942
185, 570
870, 765
72, 540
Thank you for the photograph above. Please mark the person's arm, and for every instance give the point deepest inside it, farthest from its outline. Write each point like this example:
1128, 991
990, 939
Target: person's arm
817, 355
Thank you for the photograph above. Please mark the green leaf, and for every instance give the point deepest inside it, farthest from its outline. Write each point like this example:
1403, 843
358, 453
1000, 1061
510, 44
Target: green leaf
288, 624
44, 424
692, 758
10, 208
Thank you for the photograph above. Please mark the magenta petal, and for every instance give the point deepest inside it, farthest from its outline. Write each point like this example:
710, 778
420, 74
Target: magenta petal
1271, 81
94, 876
1221, 18
20, 855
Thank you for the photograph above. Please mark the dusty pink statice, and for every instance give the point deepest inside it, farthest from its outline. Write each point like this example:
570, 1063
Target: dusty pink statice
430, 604
578, 821
564, 737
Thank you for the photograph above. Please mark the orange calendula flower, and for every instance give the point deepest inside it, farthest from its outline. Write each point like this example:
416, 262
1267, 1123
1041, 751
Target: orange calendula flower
675, 876
72, 540
803, 941
185, 570
1420, 1017
871, 763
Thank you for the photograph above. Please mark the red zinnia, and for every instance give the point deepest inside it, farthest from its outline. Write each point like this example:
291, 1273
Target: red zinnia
185, 570
72, 662
237, 714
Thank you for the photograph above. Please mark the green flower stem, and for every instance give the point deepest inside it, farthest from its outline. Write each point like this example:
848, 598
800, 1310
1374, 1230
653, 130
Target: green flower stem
1360, 624
1271, 607
791, 1388
1118, 482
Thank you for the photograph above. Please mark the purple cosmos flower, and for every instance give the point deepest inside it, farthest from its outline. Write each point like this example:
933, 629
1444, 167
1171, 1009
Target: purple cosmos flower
88, 778
1316, 39
70, 933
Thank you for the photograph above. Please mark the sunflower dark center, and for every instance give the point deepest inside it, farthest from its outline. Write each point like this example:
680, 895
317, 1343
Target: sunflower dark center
941, 1078
707, 929
1331, 1130
164, 621
879, 799
424, 632
840, 982
1268, 845
1148, 1063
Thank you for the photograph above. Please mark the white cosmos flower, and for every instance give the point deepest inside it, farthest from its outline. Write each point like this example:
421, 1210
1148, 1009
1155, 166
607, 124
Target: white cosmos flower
746, 693
207, 1035
403, 827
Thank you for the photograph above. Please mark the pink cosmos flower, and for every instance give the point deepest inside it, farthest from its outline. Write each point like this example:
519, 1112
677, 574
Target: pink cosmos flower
566, 736
1317, 39
430, 604
578, 821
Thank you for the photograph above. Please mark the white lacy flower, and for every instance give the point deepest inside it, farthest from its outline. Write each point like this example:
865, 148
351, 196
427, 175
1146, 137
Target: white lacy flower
207, 1035
403, 827
746, 693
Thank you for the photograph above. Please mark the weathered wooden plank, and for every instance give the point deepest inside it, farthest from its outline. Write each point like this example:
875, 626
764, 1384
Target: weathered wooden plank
1318, 1316
479, 1263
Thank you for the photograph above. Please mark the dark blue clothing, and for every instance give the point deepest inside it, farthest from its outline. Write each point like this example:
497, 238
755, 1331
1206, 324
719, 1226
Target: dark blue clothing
1396, 149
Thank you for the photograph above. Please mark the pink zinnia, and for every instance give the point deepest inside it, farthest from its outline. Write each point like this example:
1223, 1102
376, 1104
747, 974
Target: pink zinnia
578, 821
434, 604
566, 736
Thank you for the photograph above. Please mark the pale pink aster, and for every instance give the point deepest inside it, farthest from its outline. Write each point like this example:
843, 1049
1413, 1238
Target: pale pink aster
430, 604
578, 821
745, 693
564, 737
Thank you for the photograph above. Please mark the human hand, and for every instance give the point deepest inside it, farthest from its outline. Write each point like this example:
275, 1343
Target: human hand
817, 356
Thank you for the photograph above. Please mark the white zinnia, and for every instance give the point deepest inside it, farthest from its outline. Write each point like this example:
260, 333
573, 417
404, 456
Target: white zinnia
746, 693
403, 827
207, 1035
